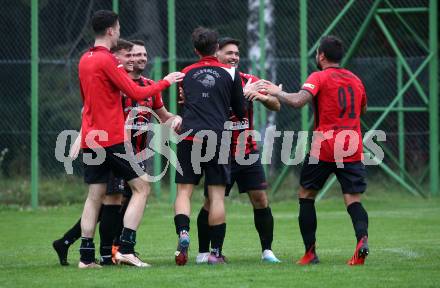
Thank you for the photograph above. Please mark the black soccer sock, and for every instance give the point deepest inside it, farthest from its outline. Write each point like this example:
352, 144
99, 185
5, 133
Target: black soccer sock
203, 230
128, 240
307, 222
182, 223
120, 223
217, 234
73, 234
263, 220
87, 250
359, 218
110, 218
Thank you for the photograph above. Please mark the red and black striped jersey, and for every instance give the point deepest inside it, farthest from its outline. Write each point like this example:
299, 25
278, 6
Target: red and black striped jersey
142, 117
246, 124
101, 80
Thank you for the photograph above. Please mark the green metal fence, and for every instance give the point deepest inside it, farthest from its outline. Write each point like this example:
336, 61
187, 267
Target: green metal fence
391, 44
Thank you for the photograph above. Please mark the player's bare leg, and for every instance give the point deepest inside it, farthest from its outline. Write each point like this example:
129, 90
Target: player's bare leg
136, 206
88, 225
264, 223
182, 210
132, 220
359, 218
308, 224
216, 220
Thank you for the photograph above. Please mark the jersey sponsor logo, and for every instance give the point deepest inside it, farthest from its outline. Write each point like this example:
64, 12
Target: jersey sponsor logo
206, 77
237, 125
208, 81
309, 85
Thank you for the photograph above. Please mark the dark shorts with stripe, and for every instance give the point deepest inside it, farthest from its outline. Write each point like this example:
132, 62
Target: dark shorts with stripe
215, 173
352, 177
112, 164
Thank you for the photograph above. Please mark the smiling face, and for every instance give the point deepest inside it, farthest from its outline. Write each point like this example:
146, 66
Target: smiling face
140, 57
229, 54
126, 58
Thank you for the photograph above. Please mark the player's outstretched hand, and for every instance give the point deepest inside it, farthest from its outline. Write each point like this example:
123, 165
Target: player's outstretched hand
255, 96
174, 77
175, 123
271, 88
256, 86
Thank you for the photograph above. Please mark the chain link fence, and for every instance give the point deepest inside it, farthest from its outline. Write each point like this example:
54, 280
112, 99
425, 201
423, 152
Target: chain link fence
64, 33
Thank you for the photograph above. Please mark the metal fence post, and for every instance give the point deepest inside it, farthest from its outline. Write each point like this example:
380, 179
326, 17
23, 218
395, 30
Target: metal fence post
157, 162
34, 103
262, 61
172, 67
115, 6
433, 99
401, 120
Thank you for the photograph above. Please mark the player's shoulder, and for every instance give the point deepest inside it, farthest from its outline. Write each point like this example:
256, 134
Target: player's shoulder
99, 58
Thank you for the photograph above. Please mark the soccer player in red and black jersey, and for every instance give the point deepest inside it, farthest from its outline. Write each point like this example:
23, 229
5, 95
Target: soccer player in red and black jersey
249, 178
339, 99
133, 57
140, 122
211, 89
103, 136
110, 212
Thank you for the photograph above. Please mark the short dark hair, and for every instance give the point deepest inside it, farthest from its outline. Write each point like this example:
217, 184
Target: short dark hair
332, 47
138, 42
122, 45
222, 42
205, 40
103, 19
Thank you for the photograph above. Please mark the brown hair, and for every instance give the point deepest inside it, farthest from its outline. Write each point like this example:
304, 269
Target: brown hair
122, 45
205, 40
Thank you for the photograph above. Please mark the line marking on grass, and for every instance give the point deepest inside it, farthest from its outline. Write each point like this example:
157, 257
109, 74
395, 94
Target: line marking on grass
403, 252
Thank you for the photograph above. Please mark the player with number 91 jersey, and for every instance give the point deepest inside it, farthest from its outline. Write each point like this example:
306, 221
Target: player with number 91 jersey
338, 98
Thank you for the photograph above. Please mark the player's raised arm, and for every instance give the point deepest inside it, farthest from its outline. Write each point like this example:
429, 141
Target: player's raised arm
121, 80
296, 100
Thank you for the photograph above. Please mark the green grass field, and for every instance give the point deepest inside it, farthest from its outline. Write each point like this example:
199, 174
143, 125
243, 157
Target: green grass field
404, 243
